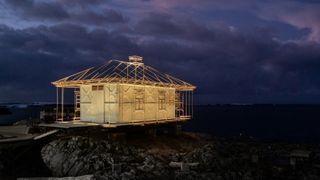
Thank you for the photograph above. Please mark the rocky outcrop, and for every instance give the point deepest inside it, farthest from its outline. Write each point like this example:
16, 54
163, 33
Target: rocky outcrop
84, 177
184, 157
77, 156
206, 156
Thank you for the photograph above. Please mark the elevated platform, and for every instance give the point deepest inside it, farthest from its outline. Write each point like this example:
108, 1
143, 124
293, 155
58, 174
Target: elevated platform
82, 124
20, 133
15, 133
68, 124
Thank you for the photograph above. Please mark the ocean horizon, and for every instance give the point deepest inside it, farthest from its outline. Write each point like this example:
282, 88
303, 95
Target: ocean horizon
290, 122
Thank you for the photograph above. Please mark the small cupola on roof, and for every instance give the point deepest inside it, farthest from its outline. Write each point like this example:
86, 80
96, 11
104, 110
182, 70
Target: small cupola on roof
135, 59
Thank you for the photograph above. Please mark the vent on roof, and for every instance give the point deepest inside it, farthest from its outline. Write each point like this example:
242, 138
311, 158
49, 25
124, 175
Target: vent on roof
135, 59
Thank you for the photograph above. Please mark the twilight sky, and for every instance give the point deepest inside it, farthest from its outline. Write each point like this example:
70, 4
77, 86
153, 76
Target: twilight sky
234, 51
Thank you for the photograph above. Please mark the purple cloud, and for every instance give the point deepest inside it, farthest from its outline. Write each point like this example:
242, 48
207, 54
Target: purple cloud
190, 40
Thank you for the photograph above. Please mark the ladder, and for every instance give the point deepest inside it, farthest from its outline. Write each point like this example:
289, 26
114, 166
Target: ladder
76, 105
179, 104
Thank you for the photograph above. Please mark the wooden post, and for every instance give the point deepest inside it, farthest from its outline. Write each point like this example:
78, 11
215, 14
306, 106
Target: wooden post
74, 104
192, 103
57, 104
62, 103
185, 110
187, 103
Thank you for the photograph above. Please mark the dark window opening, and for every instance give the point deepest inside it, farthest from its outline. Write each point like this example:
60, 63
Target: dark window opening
97, 87
162, 100
139, 99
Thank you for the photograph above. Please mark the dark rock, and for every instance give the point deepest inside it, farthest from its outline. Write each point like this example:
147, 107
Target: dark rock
75, 156
206, 156
84, 177
172, 158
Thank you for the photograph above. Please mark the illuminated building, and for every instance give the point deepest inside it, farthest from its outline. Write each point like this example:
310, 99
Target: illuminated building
126, 92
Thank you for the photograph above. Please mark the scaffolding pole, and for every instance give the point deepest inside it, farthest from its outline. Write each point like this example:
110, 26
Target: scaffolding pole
57, 104
186, 94
192, 103
62, 103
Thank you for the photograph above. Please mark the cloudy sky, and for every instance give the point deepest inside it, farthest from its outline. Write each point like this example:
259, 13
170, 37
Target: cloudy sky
234, 51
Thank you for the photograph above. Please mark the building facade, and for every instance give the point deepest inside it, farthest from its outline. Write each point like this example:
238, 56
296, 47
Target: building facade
125, 92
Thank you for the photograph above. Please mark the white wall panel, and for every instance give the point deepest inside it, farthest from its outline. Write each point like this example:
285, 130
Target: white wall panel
111, 103
116, 104
151, 111
98, 106
86, 113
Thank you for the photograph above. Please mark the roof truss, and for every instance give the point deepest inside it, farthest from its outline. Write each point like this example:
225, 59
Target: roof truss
116, 71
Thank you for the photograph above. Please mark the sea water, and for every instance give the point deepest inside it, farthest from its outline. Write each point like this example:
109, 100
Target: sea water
20, 113
289, 122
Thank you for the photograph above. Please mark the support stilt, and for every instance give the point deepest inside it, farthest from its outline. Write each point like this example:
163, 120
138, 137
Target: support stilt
57, 104
62, 104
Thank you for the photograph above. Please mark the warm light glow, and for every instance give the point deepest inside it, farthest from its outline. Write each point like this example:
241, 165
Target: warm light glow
125, 93
135, 58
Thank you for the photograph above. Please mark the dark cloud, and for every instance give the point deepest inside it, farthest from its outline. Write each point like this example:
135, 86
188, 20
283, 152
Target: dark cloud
226, 64
47, 11
33, 57
20, 4
158, 25
40, 10
58, 11
235, 67
82, 2
227, 67
108, 16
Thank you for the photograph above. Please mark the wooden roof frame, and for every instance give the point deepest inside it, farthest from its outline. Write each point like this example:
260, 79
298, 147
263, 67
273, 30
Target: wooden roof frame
125, 72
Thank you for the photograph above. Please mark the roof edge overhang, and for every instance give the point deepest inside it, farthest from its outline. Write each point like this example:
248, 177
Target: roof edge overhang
77, 83
115, 71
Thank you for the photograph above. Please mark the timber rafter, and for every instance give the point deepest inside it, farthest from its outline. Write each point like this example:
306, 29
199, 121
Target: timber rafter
116, 71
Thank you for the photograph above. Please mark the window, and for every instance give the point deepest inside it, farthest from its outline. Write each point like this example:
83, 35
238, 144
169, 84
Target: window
162, 100
97, 87
100, 88
139, 99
